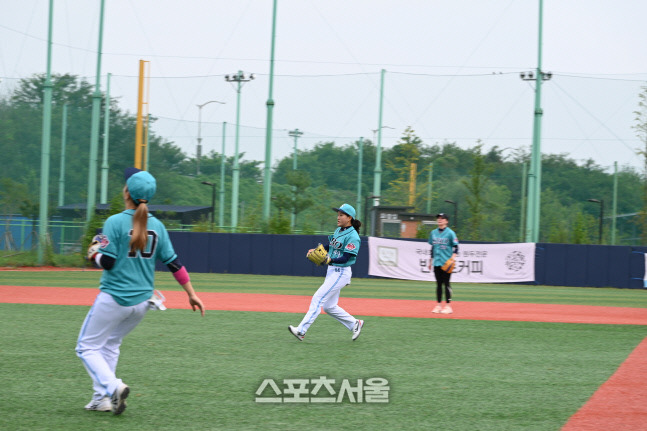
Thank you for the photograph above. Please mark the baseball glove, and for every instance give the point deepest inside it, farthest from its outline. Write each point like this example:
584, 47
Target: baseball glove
97, 242
449, 266
319, 255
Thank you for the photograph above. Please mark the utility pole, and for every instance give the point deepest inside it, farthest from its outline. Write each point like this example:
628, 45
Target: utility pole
614, 203
45, 145
360, 148
267, 175
221, 208
94, 128
295, 134
430, 186
239, 78
377, 172
524, 173
106, 139
61, 177
534, 175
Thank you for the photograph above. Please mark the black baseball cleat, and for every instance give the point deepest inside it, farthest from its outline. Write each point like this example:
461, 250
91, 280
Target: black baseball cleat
118, 399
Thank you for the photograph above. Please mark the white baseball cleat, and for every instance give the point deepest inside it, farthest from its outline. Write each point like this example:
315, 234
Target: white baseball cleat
357, 329
447, 310
296, 333
437, 309
118, 399
102, 405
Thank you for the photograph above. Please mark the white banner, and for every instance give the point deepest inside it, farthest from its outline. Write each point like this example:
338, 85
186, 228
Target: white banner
644, 280
475, 263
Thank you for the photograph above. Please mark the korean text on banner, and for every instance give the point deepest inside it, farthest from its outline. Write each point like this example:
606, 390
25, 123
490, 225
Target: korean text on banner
475, 263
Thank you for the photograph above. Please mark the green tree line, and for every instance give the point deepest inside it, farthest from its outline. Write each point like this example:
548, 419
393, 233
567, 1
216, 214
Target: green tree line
486, 185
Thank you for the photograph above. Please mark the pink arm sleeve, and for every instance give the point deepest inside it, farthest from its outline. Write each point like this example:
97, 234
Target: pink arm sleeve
182, 276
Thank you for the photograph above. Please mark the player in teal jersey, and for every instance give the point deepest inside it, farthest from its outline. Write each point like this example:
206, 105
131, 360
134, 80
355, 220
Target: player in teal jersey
342, 253
444, 246
130, 244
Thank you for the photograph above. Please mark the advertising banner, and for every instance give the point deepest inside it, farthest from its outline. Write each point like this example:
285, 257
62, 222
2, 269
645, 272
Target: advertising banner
475, 263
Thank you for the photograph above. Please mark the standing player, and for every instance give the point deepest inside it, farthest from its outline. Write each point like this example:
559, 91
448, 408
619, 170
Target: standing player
342, 253
444, 247
127, 250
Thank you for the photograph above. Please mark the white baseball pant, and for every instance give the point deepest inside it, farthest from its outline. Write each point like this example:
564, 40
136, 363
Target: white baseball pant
104, 328
327, 296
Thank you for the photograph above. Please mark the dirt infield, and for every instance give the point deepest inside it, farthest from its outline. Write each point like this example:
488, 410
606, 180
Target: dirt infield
619, 404
360, 306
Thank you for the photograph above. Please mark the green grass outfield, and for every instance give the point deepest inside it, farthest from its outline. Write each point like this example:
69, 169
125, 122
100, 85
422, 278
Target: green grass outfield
192, 373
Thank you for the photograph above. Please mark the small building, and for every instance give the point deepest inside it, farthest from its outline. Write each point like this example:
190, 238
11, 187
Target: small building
396, 222
412, 221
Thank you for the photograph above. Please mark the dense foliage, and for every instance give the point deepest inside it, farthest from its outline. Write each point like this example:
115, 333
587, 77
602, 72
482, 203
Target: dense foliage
487, 186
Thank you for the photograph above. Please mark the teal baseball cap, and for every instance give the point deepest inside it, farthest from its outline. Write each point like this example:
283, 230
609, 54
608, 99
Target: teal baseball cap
141, 185
346, 209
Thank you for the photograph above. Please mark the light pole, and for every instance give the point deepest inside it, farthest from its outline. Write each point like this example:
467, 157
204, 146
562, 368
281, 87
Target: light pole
455, 212
360, 149
377, 172
295, 134
221, 208
267, 174
213, 200
238, 78
534, 174
601, 202
46, 148
199, 149
377, 134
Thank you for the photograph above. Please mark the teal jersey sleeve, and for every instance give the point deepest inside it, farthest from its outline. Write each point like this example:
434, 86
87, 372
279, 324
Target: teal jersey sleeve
131, 279
165, 252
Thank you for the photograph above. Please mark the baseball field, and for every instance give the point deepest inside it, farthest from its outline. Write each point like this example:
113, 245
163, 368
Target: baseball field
510, 357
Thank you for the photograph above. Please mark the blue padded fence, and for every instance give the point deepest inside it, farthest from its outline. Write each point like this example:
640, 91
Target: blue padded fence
555, 265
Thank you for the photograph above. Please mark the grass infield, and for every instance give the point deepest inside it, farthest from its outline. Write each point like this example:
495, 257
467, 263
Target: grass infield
188, 372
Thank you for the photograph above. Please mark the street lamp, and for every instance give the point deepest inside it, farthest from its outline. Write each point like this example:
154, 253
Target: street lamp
455, 212
239, 78
213, 200
199, 149
377, 130
601, 202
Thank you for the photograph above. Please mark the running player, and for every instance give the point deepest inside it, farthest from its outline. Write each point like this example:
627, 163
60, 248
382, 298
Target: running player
342, 253
444, 245
131, 242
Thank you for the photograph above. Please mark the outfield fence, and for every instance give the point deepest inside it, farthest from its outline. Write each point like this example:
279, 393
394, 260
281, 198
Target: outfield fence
582, 265
555, 264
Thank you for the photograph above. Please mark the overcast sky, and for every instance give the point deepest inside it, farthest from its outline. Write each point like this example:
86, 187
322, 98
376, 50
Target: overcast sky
452, 68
